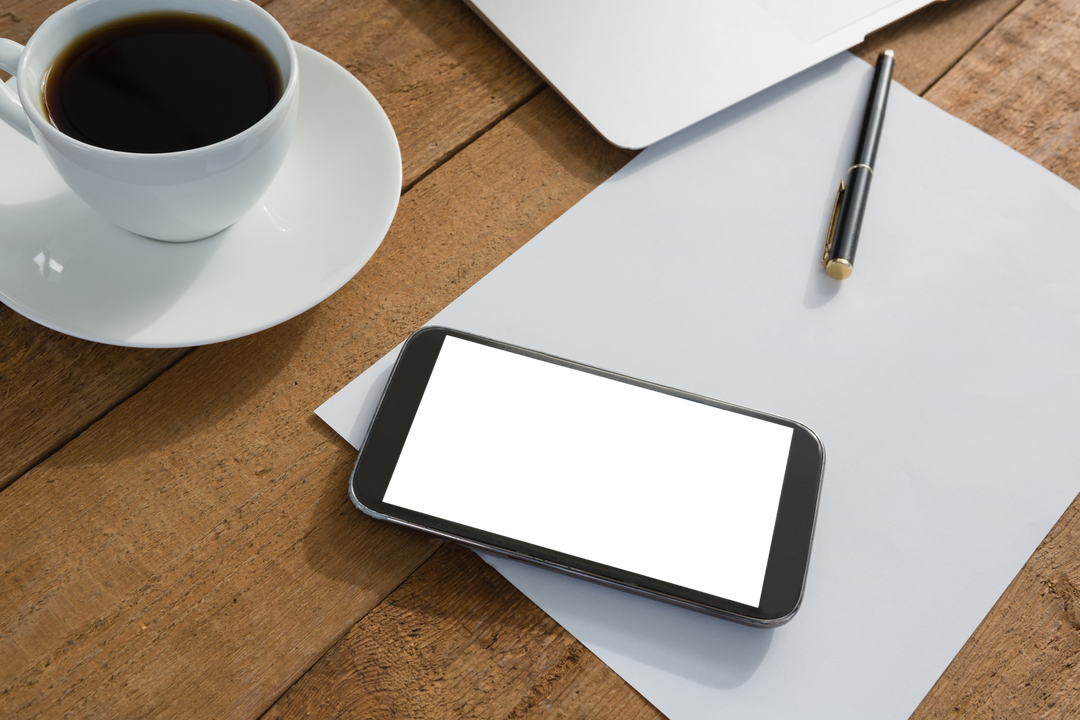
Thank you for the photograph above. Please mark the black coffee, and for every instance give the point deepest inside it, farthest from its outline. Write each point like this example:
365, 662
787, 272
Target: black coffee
161, 83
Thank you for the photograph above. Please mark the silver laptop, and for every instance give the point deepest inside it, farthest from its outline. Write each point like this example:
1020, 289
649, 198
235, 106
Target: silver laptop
640, 70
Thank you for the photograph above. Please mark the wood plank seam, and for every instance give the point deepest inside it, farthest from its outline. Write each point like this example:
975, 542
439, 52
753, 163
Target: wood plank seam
990, 31
345, 630
464, 144
429, 54
450, 154
46, 453
553, 109
979, 695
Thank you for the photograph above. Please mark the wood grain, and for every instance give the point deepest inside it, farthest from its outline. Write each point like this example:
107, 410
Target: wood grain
185, 547
443, 78
53, 386
504, 188
19, 18
441, 74
929, 42
194, 550
1024, 659
363, 676
1019, 85
155, 543
209, 554
496, 655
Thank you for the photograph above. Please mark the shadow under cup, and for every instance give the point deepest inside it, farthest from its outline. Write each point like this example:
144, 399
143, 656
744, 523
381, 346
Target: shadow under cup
174, 196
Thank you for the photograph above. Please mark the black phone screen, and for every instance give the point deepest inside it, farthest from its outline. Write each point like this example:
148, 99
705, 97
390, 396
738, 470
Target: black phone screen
592, 466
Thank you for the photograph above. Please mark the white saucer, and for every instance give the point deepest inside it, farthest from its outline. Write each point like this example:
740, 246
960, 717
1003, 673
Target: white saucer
65, 267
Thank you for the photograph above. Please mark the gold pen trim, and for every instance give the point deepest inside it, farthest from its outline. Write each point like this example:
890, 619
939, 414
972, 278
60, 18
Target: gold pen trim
838, 269
827, 255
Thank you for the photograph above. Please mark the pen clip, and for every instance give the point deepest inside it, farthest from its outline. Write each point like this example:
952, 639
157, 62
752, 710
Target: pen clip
827, 255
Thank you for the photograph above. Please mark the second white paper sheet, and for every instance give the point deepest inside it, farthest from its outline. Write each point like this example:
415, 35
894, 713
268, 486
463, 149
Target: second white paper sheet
941, 377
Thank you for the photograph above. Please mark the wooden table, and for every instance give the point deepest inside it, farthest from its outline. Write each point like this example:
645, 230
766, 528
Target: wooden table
175, 538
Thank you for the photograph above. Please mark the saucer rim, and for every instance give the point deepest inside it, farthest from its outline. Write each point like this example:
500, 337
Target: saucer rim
330, 71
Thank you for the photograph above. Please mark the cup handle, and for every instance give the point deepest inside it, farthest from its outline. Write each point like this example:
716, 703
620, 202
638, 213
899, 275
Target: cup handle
11, 110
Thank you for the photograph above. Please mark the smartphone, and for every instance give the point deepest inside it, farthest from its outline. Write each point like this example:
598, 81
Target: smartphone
657, 491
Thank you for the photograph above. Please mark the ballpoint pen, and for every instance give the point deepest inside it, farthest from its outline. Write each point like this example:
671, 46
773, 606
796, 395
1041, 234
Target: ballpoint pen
847, 215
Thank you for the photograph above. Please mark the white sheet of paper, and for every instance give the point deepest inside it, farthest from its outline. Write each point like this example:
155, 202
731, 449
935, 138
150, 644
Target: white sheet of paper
941, 377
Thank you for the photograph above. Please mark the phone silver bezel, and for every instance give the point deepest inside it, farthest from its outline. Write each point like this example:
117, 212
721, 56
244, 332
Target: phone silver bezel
577, 572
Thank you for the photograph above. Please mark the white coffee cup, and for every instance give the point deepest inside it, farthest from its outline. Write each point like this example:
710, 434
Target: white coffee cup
176, 196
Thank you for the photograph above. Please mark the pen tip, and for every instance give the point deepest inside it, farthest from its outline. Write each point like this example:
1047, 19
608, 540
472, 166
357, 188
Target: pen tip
889, 53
